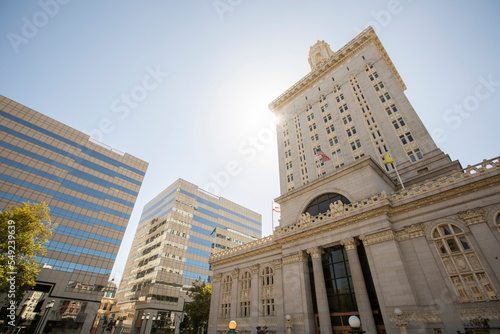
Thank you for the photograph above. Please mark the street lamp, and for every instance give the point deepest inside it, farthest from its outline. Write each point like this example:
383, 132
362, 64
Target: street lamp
288, 324
355, 324
41, 324
400, 320
232, 326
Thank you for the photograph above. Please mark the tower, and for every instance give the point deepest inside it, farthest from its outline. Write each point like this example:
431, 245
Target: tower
179, 229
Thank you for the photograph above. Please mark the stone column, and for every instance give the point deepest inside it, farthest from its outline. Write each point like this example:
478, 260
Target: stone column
325, 322
358, 281
255, 302
234, 294
214, 304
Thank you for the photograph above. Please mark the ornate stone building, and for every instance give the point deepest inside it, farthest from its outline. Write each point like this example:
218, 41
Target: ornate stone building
415, 251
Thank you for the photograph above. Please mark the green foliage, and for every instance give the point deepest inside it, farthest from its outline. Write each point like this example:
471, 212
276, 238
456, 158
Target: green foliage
198, 310
23, 231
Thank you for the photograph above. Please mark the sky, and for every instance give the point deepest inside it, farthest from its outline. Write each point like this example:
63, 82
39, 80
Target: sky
185, 85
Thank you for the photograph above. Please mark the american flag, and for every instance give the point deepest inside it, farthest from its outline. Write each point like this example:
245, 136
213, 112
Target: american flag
324, 157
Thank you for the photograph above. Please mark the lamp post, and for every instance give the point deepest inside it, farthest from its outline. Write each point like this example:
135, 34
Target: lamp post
232, 327
288, 324
145, 324
400, 320
355, 324
41, 324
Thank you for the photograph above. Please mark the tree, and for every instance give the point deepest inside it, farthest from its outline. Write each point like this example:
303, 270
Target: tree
198, 310
23, 231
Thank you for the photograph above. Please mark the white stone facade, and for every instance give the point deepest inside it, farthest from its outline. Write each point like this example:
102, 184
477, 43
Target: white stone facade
429, 249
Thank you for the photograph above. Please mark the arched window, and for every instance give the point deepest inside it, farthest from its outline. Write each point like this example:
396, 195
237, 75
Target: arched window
245, 293
226, 286
464, 268
322, 203
497, 220
267, 291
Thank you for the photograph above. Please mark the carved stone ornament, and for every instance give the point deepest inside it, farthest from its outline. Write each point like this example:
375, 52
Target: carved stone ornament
378, 237
305, 218
349, 243
235, 273
410, 232
491, 313
315, 252
255, 269
337, 208
298, 257
277, 264
217, 277
415, 316
471, 217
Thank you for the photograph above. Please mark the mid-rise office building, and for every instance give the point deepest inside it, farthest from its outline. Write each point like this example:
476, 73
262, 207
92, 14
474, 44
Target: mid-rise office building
179, 229
91, 190
409, 252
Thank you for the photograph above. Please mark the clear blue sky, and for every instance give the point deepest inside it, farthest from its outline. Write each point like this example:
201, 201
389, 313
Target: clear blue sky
185, 85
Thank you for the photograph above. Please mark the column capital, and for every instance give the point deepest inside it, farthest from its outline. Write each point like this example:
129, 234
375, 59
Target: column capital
277, 264
471, 217
235, 273
315, 252
301, 256
255, 269
349, 243
216, 277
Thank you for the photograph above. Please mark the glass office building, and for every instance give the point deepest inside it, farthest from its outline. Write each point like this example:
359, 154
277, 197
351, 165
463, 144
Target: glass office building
91, 190
178, 231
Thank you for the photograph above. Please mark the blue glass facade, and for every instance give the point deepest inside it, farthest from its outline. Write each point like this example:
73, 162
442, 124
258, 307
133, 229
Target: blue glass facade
90, 189
177, 233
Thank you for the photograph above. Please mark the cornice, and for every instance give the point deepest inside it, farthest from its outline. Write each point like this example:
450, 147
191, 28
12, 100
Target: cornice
340, 57
472, 178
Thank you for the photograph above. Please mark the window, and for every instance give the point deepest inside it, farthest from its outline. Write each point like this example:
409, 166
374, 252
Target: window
343, 108
312, 127
464, 269
334, 141
347, 119
327, 118
267, 291
324, 107
226, 287
330, 129
322, 203
245, 293
351, 131
355, 145
322, 98
414, 155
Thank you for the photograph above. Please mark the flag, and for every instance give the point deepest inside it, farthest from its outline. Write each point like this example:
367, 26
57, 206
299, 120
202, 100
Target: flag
213, 231
276, 208
324, 157
388, 159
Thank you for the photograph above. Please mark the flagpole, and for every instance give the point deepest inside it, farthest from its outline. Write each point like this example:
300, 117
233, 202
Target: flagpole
399, 177
272, 216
